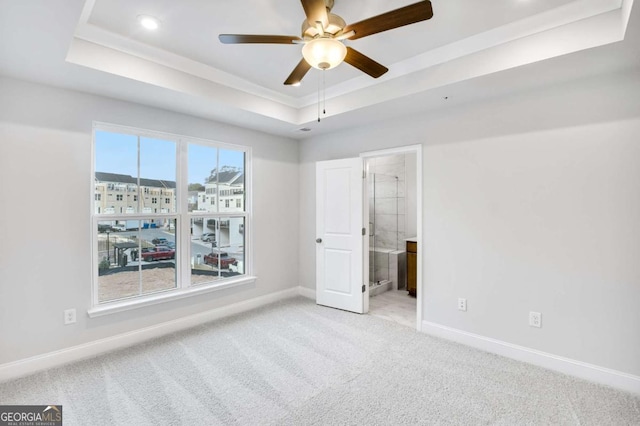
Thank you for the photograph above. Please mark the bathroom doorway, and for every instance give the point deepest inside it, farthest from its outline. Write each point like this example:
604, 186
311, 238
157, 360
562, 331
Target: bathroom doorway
392, 200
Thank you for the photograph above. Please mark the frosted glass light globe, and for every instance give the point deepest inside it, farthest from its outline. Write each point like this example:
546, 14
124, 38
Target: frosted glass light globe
324, 53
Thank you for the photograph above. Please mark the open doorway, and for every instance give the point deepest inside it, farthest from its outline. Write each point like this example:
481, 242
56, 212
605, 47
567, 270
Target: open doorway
391, 206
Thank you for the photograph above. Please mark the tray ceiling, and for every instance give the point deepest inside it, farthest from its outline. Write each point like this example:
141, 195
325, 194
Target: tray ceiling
98, 46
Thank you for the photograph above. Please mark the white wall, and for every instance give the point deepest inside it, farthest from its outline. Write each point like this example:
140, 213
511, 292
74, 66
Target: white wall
530, 202
45, 155
411, 192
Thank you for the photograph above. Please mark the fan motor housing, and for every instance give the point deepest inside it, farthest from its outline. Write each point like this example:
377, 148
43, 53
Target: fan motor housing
336, 24
329, 4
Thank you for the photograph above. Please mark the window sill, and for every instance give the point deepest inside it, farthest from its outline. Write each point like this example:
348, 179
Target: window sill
154, 299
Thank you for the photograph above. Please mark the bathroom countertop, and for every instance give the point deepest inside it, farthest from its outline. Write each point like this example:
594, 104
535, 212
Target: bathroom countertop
412, 239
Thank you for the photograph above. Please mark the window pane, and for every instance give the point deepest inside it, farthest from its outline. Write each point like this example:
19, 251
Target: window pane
231, 181
135, 257
118, 274
158, 255
217, 249
116, 166
157, 176
202, 189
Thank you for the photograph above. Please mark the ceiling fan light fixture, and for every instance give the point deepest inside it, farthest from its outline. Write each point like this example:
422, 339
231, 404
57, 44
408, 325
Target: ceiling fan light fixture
324, 53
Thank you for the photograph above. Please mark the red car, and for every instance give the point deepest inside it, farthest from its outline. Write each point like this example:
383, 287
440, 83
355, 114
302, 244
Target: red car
158, 253
225, 260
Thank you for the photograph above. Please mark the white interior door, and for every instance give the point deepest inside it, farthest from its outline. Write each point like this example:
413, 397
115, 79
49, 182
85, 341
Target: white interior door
339, 234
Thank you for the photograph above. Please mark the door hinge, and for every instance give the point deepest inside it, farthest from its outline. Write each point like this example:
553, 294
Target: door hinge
363, 288
364, 231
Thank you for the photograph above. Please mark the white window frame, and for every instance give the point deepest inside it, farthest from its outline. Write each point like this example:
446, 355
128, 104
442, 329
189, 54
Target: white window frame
183, 218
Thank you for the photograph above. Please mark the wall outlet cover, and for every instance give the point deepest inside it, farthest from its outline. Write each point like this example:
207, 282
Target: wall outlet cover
69, 316
535, 319
462, 304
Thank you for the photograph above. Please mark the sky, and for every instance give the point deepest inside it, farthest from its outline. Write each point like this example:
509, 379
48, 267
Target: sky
118, 153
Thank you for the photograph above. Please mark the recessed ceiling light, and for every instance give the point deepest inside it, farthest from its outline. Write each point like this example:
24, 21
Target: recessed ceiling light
149, 22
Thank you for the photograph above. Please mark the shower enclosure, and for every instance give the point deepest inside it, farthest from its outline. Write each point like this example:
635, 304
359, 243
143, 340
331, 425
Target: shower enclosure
384, 231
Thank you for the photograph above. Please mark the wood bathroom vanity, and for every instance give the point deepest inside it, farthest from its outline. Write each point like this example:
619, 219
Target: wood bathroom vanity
412, 265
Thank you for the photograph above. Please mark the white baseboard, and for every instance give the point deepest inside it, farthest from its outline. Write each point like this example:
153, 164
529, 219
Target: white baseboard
24, 367
583, 370
307, 292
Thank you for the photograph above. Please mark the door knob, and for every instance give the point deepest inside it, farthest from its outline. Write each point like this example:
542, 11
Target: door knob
318, 240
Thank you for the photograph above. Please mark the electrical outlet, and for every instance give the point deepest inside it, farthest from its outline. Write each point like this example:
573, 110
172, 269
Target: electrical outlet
69, 316
535, 319
462, 304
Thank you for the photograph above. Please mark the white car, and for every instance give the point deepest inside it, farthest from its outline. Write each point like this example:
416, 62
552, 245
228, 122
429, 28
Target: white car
119, 227
208, 237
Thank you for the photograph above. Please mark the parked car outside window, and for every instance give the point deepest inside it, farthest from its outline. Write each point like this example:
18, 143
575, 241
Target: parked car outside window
158, 253
208, 237
222, 261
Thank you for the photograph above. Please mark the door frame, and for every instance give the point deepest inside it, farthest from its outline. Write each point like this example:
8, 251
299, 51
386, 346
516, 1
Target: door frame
417, 149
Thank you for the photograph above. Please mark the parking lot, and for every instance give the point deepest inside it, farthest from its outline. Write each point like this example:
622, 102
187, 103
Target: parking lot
128, 266
198, 247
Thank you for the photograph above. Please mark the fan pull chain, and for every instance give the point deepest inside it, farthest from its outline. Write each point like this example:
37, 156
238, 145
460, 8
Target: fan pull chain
318, 98
324, 93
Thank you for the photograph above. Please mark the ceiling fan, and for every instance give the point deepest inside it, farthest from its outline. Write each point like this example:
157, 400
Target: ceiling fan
323, 32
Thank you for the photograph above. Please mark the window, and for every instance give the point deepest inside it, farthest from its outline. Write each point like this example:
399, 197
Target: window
182, 247
226, 203
238, 203
98, 197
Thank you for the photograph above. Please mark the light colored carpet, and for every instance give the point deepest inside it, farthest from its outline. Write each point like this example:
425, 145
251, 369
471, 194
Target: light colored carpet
295, 363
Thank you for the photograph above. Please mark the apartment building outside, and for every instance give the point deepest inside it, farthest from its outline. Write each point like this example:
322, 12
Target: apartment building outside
118, 194
223, 193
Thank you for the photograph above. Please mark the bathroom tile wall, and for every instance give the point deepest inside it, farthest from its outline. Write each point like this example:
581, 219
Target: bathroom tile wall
387, 187
381, 271
388, 214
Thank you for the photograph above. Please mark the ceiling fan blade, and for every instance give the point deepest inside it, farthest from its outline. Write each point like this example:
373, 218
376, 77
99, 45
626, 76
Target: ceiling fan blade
298, 73
364, 63
411, 14
316, 11
249, 38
